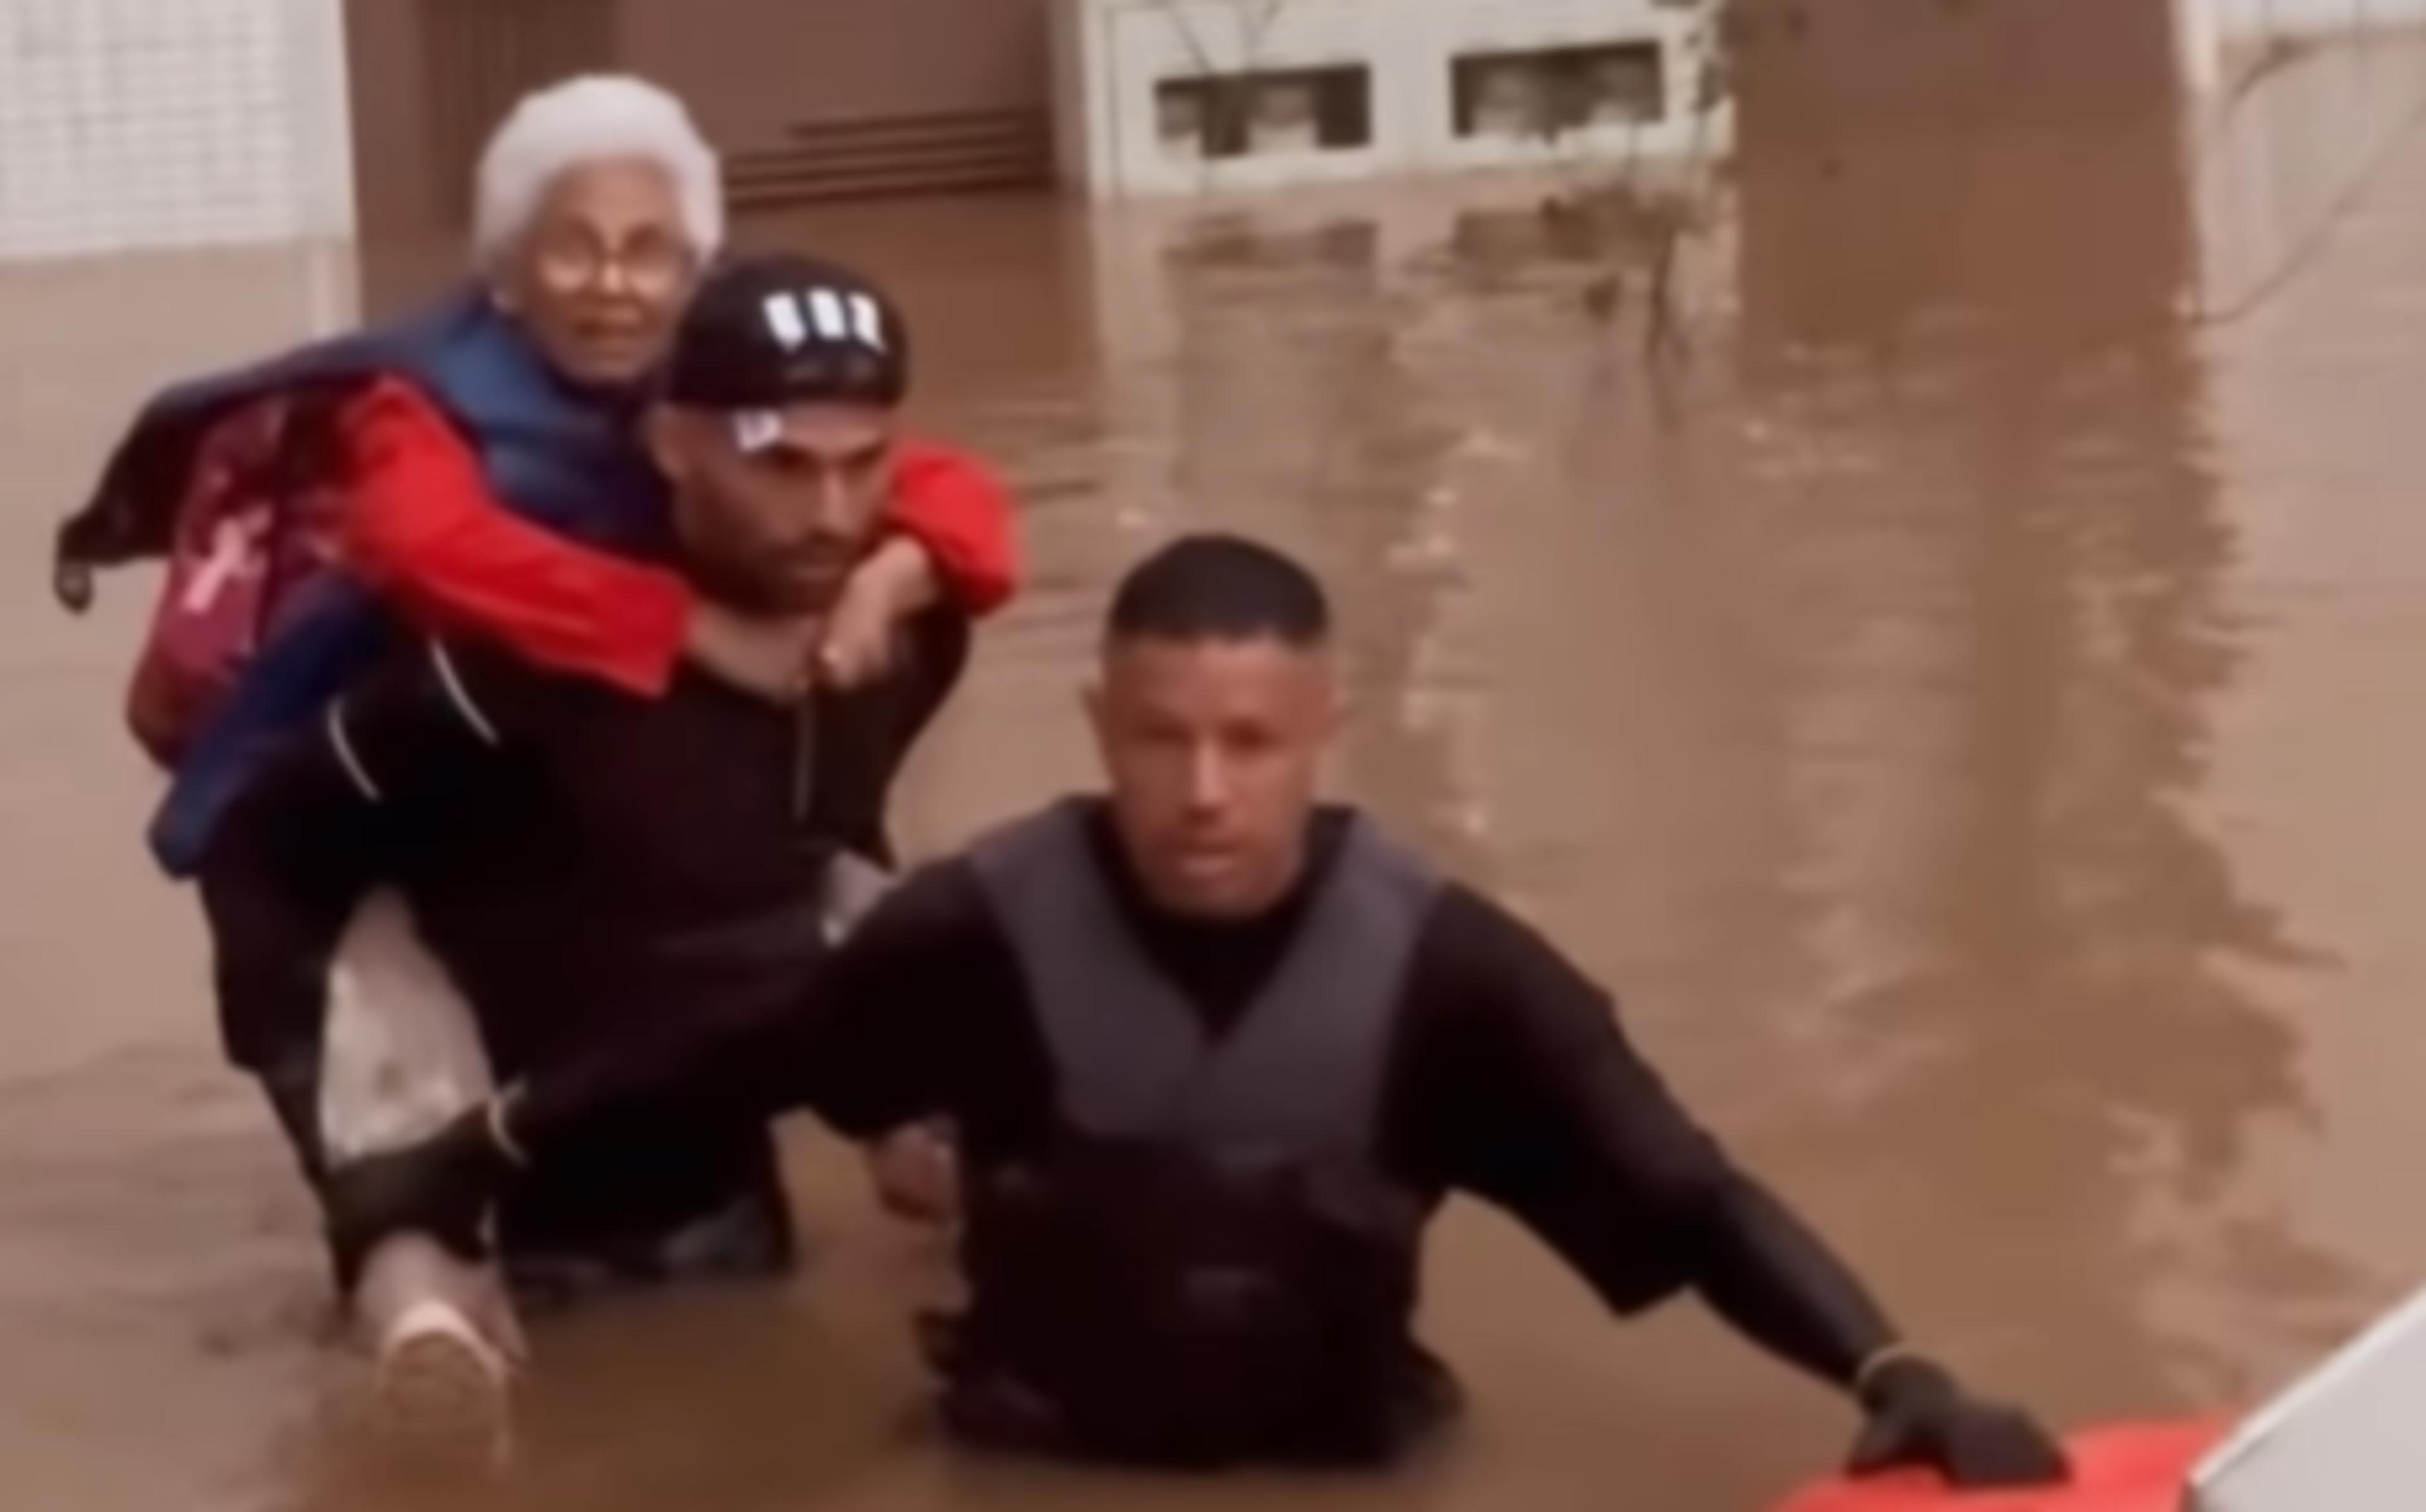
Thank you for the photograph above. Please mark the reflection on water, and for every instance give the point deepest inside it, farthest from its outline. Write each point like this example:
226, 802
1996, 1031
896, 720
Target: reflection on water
1936, 692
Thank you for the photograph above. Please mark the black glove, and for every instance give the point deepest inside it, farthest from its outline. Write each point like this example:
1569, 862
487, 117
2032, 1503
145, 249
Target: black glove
442, 1187
1919, 1416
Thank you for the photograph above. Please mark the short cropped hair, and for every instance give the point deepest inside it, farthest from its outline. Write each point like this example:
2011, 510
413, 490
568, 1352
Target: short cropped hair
1218, 587
595, 118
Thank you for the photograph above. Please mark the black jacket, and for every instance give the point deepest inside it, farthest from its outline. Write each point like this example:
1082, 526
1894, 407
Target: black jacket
587, 865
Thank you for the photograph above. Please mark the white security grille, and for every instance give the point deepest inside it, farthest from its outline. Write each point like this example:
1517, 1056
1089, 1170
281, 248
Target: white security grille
139, 124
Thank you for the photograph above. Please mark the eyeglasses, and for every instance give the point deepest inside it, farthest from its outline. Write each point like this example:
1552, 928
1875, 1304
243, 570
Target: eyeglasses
652, 267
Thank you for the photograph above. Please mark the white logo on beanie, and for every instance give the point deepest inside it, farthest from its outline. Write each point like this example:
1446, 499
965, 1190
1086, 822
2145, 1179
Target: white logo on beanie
783, 319
825, 308
835, 317
868, 320
755, 430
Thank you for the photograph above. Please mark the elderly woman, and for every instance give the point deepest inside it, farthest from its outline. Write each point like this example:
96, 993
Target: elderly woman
476, 468
597, 206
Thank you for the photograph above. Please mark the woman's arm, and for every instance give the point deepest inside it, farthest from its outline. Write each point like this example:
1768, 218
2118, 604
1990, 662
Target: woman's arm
424, 527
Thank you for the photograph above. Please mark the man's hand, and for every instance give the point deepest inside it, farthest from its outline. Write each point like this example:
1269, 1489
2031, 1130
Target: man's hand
863, 634
1919, 1416
442, 1187
770, 659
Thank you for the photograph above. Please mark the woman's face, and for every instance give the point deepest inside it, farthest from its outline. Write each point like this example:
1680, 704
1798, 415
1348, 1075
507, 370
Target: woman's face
601, 276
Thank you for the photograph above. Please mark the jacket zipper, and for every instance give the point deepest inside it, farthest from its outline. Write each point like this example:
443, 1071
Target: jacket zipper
804, 768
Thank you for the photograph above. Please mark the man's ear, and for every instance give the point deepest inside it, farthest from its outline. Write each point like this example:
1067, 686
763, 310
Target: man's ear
661, 432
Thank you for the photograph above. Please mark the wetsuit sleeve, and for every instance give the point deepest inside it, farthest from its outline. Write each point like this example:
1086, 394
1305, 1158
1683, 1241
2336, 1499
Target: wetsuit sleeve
962, 514
1532, 1097
422, 528
897, 1023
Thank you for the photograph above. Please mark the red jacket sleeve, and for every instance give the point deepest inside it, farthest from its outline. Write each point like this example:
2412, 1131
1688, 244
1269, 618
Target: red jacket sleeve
423, 527
953, 505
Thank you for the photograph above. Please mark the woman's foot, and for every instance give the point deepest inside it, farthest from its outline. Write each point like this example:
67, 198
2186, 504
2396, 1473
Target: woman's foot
443, 1394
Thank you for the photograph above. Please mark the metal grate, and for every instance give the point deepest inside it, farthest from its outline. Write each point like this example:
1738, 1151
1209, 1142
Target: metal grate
954, 152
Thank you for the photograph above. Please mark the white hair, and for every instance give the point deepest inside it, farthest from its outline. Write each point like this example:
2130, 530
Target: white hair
595, 118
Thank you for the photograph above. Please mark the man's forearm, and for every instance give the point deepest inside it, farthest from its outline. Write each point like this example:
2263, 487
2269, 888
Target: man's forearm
743, 1057
856, 1041
1770, 1276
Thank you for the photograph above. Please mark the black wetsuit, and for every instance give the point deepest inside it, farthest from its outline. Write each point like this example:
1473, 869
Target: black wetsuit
592, 868
1510, 1079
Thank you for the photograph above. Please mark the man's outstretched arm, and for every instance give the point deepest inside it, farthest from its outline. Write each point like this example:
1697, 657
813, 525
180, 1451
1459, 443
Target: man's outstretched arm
865, 1042
872, 1040
1544, 1107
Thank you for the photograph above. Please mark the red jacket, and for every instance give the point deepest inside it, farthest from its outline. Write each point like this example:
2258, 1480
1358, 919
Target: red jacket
423, 527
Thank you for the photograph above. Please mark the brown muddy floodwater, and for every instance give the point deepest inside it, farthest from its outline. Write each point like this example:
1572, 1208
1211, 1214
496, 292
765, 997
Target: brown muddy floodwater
1965, 695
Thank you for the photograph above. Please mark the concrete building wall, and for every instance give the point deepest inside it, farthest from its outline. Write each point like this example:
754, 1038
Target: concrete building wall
143, 123
2313, 17
2219, 38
